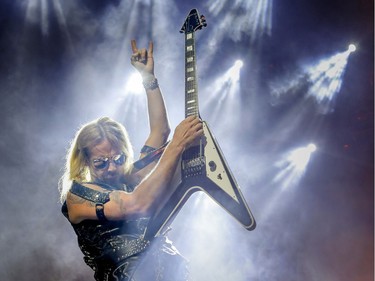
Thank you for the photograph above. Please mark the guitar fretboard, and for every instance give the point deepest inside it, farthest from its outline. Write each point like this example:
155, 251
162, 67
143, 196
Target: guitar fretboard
191, 87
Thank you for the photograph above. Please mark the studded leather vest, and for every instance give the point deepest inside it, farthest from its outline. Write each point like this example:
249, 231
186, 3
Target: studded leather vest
114, 249
107, 244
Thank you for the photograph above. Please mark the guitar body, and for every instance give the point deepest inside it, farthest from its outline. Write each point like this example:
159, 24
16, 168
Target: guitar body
202, 166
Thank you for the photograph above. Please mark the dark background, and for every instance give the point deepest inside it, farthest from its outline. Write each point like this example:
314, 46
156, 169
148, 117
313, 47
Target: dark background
63, 63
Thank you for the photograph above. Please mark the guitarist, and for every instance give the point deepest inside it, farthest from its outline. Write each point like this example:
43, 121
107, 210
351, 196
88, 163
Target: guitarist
108, 202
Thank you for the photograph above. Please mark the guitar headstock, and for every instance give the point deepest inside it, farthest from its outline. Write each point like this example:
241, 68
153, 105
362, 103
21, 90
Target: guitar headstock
193, 22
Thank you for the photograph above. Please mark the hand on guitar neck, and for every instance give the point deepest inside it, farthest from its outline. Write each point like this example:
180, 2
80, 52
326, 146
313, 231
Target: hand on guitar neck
187, 132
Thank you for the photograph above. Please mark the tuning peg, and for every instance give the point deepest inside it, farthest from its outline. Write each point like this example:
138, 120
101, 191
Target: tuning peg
203, 20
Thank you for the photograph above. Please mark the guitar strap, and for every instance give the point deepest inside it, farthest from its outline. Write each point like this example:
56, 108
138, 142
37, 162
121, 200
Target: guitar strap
150, 157
89, 194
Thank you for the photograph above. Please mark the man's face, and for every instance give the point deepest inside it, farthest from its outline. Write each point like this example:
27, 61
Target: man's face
106, 163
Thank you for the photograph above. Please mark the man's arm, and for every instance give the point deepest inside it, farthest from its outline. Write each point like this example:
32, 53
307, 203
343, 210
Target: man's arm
143, 61
144, 198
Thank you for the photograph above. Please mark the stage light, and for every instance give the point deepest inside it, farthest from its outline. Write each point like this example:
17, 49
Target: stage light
226, 85
250, 17
233, 74
134, 84
321, 80
300, 157
326, 78
236, 20
352, 48
223, 99
293, 165
311, 147
39, 12
238, 64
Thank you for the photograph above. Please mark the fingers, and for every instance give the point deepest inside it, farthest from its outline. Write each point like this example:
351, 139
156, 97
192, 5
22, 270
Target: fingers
134, 46
141, 55
188, 132
151, 49
137, 54
190, 129
197, 127
193, 120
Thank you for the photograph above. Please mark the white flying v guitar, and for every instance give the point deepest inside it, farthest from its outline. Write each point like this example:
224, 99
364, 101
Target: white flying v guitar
203, 167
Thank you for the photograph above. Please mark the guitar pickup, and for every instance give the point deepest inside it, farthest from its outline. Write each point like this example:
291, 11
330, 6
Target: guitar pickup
193, 167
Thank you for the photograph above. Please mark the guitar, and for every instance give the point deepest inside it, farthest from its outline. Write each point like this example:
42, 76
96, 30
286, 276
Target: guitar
203, 166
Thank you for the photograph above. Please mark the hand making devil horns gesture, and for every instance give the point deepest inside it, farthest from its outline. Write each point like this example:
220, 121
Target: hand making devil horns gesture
143, 60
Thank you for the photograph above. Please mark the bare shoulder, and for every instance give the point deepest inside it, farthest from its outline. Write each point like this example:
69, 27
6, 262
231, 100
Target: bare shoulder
79, 208
73, 199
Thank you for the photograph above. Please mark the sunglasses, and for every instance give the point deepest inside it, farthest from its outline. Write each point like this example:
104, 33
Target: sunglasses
103, 162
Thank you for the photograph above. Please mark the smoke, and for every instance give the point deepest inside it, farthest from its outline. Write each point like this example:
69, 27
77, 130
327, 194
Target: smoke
57, 75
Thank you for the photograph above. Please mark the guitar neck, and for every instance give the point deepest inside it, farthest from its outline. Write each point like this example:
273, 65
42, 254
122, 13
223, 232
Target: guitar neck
191, 86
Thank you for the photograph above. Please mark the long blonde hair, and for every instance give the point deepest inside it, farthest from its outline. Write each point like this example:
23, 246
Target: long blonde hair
77, 158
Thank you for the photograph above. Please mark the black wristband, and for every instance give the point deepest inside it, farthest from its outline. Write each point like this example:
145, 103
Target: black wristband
99, 208
147, 149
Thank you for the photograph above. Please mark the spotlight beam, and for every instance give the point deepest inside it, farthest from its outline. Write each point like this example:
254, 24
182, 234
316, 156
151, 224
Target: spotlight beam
293, 166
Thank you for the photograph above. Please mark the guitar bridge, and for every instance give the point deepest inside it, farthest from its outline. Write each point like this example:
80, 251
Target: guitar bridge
193, 167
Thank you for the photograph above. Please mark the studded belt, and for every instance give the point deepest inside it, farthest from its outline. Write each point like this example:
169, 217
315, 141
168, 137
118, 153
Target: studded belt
127, 248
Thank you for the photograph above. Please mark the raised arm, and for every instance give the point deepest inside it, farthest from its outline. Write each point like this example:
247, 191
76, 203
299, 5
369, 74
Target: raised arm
143, 61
